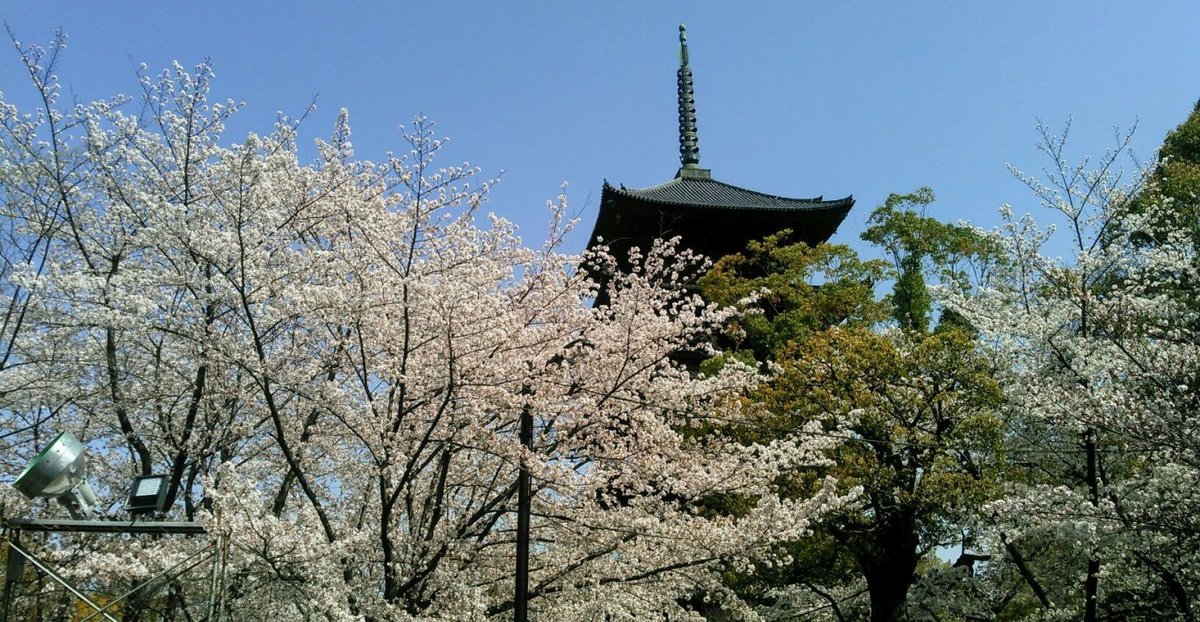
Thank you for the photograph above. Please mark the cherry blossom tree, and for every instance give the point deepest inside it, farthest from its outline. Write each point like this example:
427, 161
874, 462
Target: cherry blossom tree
1101, 388
330, 361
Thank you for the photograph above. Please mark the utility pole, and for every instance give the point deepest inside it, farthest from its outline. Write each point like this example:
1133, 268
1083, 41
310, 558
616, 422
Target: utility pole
521, 598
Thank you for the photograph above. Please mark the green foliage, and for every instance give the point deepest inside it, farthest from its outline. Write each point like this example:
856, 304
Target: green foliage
911, 298
924, 429
1183, 143
792, 291
915, 410
1174, 183
920, 246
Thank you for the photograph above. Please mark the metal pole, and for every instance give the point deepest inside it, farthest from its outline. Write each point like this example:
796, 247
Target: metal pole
144, 584
12, 546
521, 598
221, 591
213, 586
14, 572
15, 565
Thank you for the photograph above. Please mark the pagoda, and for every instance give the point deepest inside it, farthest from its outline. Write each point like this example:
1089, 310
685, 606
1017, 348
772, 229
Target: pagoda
711, 217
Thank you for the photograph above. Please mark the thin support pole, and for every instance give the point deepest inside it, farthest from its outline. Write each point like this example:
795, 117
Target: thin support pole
13, 546
144, 584
521, 598
221, 588
215, 587
14, 572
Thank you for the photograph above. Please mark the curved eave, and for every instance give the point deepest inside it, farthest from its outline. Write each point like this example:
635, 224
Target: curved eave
629, 217
713, 194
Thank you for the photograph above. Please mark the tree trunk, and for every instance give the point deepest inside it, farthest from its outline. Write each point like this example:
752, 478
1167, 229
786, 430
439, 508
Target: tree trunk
888, 587
1091, 584
889, 566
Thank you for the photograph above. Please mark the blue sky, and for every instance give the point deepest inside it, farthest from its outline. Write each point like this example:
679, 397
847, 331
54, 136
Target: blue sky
794, 98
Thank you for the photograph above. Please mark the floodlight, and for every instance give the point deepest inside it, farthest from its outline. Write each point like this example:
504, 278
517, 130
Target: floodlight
59, 471
147, 495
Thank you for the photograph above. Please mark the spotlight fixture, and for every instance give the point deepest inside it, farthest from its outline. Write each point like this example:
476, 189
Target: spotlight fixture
59, 471
147, 495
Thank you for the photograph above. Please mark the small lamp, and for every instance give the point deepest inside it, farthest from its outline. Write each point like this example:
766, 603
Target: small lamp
147, 495
59, 471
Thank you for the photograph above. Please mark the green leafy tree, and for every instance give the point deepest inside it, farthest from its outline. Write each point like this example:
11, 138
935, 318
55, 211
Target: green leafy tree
1174, 184
913, 409
919, 246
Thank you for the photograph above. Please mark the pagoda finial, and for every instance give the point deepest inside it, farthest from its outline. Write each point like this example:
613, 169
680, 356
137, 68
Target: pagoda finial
683, 57
689, 141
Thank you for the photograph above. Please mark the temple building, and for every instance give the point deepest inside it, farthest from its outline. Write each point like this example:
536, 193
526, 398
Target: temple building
711, 217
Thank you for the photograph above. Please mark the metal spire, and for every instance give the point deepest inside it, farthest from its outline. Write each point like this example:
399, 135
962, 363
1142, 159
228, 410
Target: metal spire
689, 141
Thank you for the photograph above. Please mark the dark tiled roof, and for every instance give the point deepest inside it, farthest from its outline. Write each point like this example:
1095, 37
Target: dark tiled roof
691, 191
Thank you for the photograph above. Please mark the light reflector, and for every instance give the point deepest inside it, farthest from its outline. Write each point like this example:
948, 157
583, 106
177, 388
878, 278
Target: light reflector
60, 471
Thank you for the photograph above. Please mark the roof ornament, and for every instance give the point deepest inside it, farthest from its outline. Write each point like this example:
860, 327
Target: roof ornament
683, 57
689, 141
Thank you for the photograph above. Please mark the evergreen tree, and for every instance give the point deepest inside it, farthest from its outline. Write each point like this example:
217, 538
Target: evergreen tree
913, 409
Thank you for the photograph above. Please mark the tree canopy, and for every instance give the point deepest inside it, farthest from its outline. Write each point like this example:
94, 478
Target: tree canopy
330, 361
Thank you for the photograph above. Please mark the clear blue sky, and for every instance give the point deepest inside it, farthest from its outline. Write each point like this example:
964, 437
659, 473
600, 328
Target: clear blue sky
794, 98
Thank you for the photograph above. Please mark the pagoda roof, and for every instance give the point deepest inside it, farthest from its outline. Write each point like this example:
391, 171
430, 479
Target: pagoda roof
710, 217
713, 218
707, 192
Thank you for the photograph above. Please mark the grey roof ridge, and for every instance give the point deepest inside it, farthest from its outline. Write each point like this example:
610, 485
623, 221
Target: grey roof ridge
814, 203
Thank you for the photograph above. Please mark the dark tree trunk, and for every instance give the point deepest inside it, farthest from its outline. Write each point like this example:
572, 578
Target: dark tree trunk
889, 563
